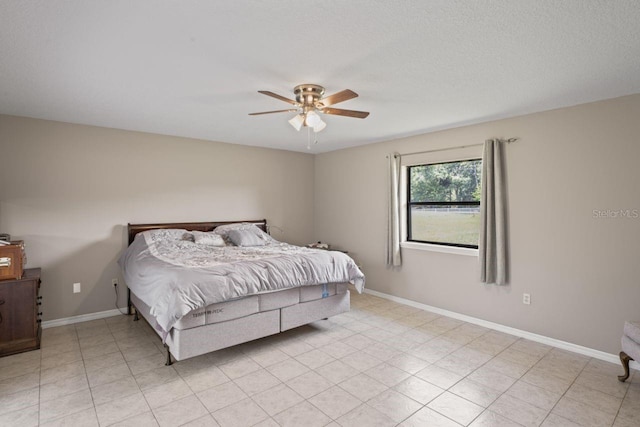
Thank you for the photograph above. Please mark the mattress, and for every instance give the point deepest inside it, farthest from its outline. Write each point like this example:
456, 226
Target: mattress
239, 321
242, 307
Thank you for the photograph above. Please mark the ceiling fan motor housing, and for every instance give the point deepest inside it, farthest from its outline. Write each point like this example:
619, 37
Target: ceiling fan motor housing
308, 95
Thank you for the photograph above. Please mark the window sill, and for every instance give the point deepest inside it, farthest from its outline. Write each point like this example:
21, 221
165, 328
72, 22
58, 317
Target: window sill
440, 248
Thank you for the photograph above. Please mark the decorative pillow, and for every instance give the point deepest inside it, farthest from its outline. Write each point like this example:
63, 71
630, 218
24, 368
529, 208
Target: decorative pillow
246, 238
165, 234
224, 230
211, 239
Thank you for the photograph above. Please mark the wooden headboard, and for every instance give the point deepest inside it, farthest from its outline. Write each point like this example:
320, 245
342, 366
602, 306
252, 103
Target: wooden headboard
134, 229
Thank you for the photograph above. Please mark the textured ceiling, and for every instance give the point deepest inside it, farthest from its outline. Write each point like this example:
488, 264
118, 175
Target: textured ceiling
193, 68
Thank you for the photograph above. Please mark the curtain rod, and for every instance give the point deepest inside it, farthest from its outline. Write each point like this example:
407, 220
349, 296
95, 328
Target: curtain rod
508, 141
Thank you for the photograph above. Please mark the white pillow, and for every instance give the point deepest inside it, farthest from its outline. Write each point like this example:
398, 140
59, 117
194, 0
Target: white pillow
224, 230
246, 238
210, 239
165, 234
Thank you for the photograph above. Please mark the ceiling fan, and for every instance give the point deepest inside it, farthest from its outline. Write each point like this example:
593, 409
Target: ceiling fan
309, 102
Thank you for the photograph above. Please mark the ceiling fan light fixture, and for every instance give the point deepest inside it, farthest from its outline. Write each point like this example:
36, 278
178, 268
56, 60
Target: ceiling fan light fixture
313, 119
297, 122
317, 128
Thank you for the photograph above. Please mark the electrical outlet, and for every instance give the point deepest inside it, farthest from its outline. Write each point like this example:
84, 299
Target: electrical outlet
114, 282
76, 288
526, 299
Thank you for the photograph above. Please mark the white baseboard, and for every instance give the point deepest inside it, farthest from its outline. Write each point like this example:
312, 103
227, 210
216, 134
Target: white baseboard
83, 318
596, 354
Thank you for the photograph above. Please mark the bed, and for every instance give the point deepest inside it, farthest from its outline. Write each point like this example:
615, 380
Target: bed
205, 286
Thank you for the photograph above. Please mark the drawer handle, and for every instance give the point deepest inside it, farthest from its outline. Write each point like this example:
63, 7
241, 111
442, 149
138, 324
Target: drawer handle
5, 261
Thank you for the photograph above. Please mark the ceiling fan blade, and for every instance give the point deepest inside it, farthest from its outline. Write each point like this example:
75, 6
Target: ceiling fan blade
281, 98
348, 113
341, 96
291, 110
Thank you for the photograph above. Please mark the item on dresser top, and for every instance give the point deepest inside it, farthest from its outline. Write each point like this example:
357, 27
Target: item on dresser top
12, 260
5, 239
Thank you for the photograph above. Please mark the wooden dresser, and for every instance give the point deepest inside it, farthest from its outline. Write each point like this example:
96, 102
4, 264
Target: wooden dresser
20, 313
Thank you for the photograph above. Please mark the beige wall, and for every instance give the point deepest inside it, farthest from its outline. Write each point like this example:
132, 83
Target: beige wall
69, 191
583, 273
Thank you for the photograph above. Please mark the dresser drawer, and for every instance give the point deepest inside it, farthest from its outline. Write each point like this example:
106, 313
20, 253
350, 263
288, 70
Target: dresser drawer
19, 313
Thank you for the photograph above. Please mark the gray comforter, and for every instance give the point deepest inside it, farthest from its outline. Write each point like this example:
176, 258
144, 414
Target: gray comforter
173, 275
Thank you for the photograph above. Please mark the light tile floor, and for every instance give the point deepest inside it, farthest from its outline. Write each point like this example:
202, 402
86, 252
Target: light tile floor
382, 364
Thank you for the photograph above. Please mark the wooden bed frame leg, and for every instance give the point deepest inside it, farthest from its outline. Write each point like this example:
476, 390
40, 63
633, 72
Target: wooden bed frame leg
135, 315
168, 362
625, 359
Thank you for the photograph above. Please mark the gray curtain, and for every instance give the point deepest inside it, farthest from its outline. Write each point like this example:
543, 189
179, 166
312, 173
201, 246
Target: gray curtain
393, 219
493, 215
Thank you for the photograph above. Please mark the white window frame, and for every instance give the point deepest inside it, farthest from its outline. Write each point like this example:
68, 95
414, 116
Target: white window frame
452, 155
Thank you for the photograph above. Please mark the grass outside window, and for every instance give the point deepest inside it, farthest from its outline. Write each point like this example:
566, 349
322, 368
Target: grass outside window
444, 203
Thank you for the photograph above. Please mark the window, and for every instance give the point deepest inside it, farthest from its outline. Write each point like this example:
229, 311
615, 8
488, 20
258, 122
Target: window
443, 203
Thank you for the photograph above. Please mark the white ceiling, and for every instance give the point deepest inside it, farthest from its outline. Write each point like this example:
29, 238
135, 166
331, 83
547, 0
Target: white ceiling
193, 68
